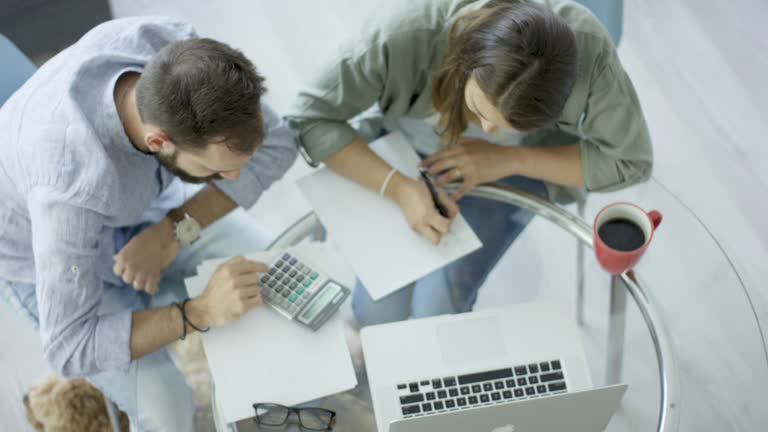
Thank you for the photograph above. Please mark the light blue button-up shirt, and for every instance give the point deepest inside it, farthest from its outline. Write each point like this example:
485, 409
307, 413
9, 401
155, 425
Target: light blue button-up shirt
69, 177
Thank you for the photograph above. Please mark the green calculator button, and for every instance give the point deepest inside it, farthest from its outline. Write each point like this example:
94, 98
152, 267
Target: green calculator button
300, 291
293, 298
307, 282
313, 276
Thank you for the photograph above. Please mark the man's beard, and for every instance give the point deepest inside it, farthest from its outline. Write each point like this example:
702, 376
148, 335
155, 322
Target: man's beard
170, 162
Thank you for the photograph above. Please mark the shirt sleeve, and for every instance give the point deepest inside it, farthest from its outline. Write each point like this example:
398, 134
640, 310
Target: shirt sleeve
616, 147
76, 339
269, 163
345, 87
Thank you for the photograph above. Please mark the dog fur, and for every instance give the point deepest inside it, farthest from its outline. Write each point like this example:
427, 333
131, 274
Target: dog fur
57, 404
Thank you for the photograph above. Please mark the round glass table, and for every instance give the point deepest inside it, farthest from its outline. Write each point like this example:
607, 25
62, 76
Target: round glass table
680, 329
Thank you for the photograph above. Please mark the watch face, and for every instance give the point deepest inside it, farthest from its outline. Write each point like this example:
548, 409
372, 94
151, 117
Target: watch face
187, 231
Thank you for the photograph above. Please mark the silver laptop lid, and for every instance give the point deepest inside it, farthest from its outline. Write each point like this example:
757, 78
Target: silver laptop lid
584, 411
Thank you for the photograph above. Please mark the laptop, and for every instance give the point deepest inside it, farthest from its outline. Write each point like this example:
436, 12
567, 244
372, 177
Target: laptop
517, 368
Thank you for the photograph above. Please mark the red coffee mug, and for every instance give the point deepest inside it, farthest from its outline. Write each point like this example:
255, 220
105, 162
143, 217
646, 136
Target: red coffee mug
615, 261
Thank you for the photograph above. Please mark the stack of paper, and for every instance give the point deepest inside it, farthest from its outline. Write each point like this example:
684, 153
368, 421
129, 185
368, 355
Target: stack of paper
372, 233
264, 357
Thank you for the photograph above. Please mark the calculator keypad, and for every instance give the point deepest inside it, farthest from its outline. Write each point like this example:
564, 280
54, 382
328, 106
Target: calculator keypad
289, 284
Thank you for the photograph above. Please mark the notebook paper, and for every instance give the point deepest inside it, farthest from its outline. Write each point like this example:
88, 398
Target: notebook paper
371, 232
264, 357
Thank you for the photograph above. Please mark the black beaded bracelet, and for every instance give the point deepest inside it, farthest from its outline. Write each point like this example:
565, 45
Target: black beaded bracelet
186, 320
183, 321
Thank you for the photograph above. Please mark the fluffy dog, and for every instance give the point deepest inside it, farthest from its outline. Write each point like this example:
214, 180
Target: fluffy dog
56, 404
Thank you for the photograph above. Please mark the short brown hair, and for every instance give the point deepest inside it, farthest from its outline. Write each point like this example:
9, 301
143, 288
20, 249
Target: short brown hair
200, 91
523, 57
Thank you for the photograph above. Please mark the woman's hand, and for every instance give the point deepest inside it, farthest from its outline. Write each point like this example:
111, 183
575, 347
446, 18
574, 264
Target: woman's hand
419, 210
472, 161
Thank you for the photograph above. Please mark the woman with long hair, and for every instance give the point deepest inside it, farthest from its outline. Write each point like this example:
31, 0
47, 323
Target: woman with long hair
525, 93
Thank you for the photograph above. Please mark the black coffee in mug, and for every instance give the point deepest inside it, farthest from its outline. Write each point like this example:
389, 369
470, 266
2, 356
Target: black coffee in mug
622, 235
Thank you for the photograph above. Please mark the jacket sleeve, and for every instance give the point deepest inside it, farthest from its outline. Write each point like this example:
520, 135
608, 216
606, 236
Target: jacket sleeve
616, 147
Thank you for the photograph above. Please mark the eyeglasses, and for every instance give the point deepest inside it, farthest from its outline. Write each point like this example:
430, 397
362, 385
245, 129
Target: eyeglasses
269, 414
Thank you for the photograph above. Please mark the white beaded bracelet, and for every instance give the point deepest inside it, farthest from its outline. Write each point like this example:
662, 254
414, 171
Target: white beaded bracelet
386, 182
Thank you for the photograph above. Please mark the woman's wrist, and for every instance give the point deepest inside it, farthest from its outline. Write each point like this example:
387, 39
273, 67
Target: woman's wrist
514, 158
386, 182
395, 186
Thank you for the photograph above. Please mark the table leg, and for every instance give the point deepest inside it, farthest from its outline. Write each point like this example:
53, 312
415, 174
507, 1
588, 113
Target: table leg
319, 233
580, 284
618, 316
112, 413
580, 272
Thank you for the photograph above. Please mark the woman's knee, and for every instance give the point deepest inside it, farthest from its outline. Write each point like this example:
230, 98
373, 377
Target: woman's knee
394, 307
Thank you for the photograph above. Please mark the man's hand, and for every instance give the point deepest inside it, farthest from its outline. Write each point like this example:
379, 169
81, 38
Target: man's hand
472, 161
141, 262
232, 291
419, 209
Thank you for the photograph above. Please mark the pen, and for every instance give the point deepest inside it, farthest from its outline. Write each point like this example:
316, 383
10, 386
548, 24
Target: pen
432, 191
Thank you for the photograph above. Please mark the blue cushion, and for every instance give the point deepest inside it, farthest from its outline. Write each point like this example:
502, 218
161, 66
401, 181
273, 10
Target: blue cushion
16, 68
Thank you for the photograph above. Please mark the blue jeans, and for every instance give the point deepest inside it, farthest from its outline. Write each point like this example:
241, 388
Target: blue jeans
153, 392
453, 289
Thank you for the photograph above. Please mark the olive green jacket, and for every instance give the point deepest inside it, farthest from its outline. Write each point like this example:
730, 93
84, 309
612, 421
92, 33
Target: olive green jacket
392, 63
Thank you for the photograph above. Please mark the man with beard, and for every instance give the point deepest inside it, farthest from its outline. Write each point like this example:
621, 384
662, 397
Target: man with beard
97, 231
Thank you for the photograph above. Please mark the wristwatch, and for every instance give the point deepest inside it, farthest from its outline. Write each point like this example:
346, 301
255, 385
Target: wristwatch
187, 228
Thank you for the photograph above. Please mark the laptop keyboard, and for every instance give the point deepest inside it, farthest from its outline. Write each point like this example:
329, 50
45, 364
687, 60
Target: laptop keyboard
483, 388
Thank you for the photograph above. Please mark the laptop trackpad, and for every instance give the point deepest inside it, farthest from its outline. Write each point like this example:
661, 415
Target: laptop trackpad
467, 341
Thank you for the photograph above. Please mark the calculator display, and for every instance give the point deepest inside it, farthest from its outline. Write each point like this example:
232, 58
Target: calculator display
320, 302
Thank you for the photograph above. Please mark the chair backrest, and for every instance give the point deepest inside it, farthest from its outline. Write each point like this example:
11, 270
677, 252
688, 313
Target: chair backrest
15, 70
610, 13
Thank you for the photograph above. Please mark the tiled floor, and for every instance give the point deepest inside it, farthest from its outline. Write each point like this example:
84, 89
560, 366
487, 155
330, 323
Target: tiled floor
699, 68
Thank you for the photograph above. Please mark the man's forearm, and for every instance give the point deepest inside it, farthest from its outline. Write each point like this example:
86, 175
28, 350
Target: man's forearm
209, 205
561, 164
152, 329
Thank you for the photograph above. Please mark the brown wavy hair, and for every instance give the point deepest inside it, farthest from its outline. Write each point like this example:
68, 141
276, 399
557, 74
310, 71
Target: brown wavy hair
523, 57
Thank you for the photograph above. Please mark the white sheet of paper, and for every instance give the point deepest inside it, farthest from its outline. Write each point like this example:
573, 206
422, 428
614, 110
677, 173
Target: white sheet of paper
372, 233
264, 357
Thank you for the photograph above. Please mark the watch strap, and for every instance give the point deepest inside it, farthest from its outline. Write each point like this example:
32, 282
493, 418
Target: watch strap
177, 215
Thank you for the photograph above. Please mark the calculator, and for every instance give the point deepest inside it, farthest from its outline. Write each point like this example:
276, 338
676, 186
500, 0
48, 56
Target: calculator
300, 292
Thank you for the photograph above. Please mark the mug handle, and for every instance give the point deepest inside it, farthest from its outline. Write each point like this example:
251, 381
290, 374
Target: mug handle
656, 218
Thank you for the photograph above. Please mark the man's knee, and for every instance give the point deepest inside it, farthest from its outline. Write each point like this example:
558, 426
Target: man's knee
163, 398
167, 412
